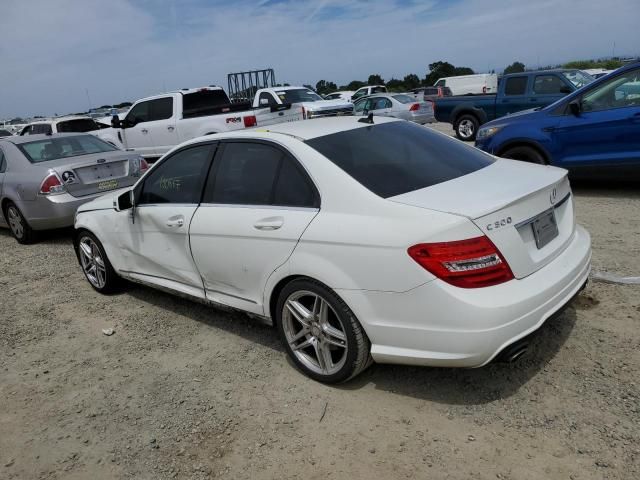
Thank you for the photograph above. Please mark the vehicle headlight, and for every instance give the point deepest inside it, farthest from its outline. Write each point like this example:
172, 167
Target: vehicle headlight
487, 132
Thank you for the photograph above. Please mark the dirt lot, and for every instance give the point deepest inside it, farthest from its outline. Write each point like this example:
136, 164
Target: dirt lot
185, 391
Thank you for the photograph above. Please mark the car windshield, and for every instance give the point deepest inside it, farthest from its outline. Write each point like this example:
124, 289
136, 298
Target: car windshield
79, 125
399, 157
62, 147
578, 78
297, 95
404, 98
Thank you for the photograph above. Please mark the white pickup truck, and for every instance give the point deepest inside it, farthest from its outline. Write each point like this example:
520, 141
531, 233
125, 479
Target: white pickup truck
313, 105
156, 124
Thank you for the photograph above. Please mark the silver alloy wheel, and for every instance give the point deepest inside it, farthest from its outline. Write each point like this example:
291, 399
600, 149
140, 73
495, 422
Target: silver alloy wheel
466, 128
92, 262
15, 221
314, 332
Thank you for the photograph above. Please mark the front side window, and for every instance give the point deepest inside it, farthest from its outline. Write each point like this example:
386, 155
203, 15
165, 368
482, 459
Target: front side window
179, 179
548, 85
359, 105
258, 174
619, 92
515, 86
63, 147
3, 163
578, 78
139, 113
399, 157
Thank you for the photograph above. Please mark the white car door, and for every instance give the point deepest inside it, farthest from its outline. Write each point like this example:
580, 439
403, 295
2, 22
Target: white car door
135, 129
257, 203
154, 241
162, 125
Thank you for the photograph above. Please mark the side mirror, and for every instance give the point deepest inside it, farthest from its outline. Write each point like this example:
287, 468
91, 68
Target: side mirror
264, 101
565, 90
115, 122
575, 107
124, 201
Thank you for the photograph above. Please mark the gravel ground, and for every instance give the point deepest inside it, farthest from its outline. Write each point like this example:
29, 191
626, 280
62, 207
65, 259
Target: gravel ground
185, 391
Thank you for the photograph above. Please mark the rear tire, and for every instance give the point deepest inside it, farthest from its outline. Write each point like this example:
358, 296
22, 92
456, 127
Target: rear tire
320, 332
525, 154
466, 127
20, 228
95, 265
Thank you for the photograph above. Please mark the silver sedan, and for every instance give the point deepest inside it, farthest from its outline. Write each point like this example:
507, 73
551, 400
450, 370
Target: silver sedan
398, 105
45, 178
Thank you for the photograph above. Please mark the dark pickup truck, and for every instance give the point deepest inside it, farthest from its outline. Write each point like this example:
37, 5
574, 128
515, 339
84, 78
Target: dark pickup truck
516, 92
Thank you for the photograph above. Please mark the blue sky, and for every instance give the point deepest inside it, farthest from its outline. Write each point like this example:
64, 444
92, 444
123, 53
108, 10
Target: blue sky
55, 52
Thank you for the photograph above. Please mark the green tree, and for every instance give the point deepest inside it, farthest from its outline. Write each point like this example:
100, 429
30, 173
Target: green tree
411, 81
515, 67
464, 71
438, 70
610, 64
395, 85
353, 85
323, 87
375, 79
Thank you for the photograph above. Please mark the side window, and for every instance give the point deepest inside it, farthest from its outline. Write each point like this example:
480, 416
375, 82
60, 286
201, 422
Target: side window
515, 86
358, 94
619, 92
359, 106
292, 187
179, 179
26, 130
547, 85
440, 83
268, 97
161, 109
139, 113
3, 163
245, 175
258, 174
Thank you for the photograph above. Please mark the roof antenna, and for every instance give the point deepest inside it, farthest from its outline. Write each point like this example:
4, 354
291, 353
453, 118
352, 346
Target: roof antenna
368, 119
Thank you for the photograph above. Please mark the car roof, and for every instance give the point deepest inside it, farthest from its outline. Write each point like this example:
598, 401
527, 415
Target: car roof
17, 140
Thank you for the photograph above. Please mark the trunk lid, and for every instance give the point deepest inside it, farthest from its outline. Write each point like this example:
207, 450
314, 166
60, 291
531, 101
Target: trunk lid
97, 173
526, 210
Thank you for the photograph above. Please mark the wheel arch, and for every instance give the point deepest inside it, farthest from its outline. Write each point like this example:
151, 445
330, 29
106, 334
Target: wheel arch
478, 113
524, 142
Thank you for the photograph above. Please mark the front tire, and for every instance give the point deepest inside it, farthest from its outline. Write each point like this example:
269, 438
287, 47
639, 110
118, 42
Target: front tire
466, 127
20, 228
95, 265
320, 332
524, 153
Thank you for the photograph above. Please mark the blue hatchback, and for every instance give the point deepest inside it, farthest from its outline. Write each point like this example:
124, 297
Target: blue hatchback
595, 131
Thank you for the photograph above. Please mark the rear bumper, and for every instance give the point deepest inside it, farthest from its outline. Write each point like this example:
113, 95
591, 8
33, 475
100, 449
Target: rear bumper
55, 211
440, 325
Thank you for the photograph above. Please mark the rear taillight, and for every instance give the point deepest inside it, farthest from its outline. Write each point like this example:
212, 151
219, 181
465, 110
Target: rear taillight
144, 166
250, 121
414, 107
471, 263
51, 185
304, 113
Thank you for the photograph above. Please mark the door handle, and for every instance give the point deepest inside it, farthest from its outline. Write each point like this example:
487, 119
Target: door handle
171, 128
175, 222
144, 130
268, 224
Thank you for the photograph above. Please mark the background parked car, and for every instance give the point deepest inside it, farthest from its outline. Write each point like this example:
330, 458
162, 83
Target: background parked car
44, 178
516, 92
76, 123
398, 105
368, 90
476, 84
431, 93
344, 95
595, 131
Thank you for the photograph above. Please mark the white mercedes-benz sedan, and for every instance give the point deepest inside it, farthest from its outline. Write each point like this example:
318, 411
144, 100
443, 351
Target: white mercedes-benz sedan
363, 240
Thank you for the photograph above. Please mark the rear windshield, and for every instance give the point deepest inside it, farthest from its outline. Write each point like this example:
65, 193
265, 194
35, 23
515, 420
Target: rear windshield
197, 103
79, 125
404, 98
399, 157
63, 147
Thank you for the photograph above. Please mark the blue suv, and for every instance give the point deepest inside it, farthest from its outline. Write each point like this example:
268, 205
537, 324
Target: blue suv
595, 131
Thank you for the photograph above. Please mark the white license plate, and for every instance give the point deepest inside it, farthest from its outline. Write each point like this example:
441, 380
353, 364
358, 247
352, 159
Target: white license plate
545, 228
